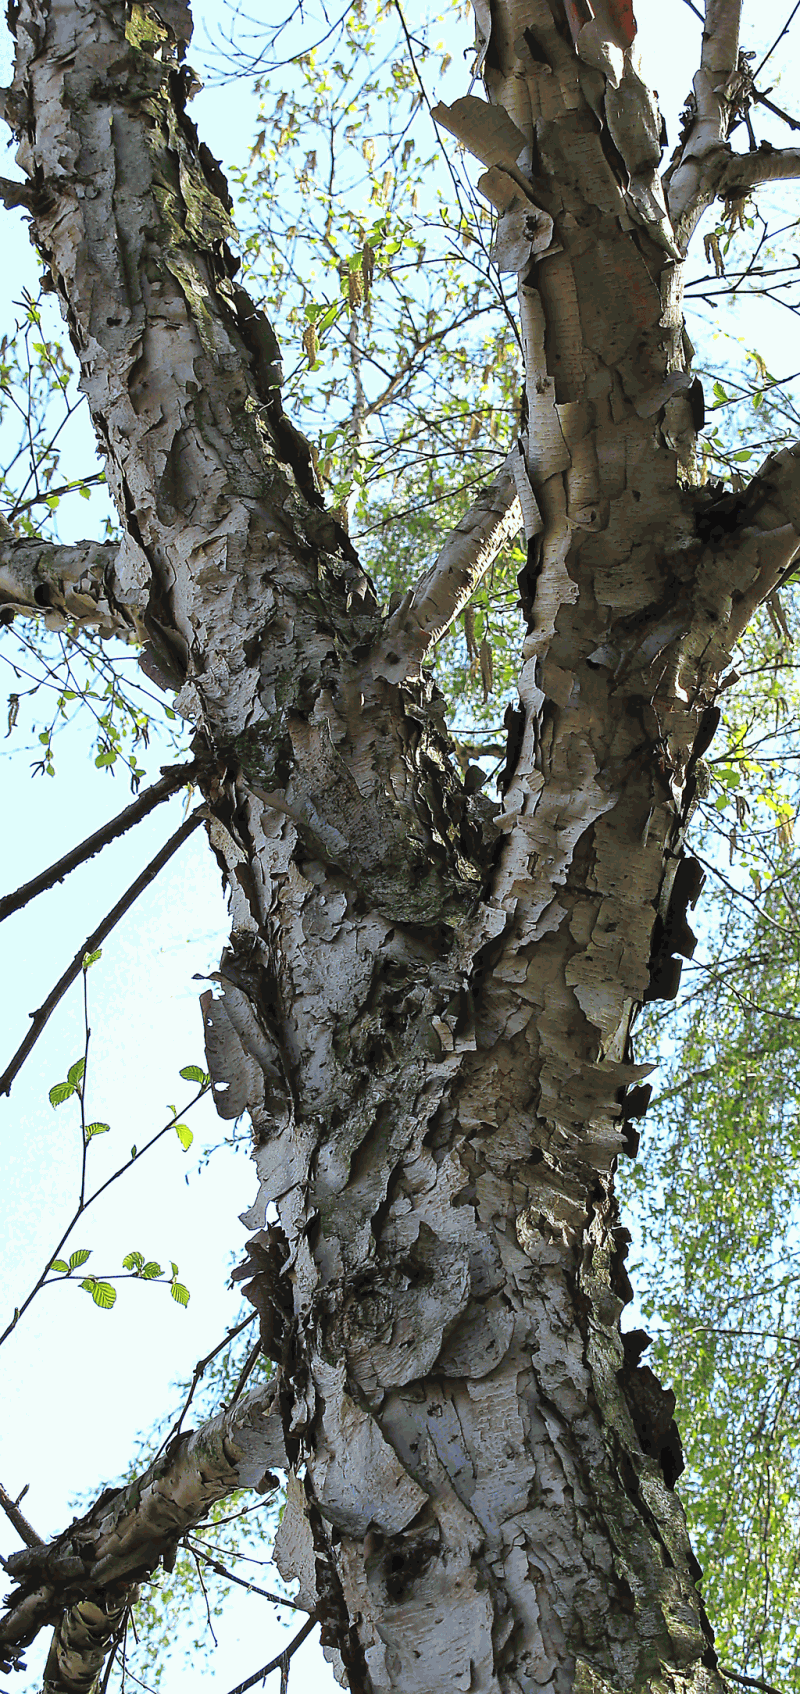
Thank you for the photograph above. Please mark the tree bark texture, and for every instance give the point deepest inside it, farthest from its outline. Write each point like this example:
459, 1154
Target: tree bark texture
427, 1000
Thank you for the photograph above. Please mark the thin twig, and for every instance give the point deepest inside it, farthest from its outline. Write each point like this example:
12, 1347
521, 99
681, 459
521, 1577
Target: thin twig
24, 1530
247, 1370
201, 1580
281, 1662
198, 1372
241, 1582
750, 1681
90, 945
146, 802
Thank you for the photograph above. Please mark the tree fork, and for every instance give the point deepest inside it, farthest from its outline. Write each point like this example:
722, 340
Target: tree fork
426, 1009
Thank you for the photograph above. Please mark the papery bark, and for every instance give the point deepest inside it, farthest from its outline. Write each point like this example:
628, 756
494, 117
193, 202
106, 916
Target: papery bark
426, 1009
83, 1580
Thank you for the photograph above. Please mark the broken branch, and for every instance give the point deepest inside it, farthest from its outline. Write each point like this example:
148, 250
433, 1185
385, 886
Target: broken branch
24, 1530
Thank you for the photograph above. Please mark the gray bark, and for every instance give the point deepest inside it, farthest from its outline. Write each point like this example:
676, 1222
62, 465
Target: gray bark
426, 1008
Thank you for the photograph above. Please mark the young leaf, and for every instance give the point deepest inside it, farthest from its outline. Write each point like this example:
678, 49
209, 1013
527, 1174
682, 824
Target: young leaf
79, 1257
102, 1293
61, 1266
193, 1073
60, 1092
92, 958
96, 1129
75, 1072
150, 1270
180, 1293
185, 1135
133, 1261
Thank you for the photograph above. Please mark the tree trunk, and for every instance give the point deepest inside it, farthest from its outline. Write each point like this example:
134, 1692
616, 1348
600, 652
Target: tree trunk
427, 1001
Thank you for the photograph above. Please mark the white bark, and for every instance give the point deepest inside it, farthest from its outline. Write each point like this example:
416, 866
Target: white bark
426, 1009
694, 177
98, 584
82, 1581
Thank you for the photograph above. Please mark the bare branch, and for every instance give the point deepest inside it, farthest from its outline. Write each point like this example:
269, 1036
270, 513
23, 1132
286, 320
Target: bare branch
769, 164
24, 1530
428, 609
39, 1018
281, 1662
171, 779
691, 182
82, 1581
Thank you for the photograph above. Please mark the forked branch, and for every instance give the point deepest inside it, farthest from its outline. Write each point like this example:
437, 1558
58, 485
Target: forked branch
692, 180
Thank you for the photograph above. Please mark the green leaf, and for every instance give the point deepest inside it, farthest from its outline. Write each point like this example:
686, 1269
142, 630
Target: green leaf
79, 1257
150, 1270
133, 1261
96, 1129
105, 759
75, 1072
180, 1293
61, 1266
102, 1293
174, 1267
185, 1135
744, 454
92, 958
193, 1073
60, 1092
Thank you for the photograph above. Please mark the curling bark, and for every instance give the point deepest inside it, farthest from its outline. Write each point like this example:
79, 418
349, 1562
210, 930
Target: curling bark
427, 1001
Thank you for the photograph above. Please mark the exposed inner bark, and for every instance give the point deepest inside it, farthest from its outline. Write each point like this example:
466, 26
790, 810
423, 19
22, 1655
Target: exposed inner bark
426, 1009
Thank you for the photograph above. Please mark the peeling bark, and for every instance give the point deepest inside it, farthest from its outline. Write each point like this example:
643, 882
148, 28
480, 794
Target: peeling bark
94, 583
83, 1580
426, 1009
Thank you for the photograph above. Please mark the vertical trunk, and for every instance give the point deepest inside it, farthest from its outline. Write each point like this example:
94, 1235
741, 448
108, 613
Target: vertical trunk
426, 1009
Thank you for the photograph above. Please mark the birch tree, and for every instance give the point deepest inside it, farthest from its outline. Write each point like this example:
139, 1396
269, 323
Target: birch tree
426, 1004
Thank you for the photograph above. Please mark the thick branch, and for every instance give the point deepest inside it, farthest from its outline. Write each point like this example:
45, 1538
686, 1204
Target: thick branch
428, 609
99, 584
770, 164
82, 1580
691, 182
